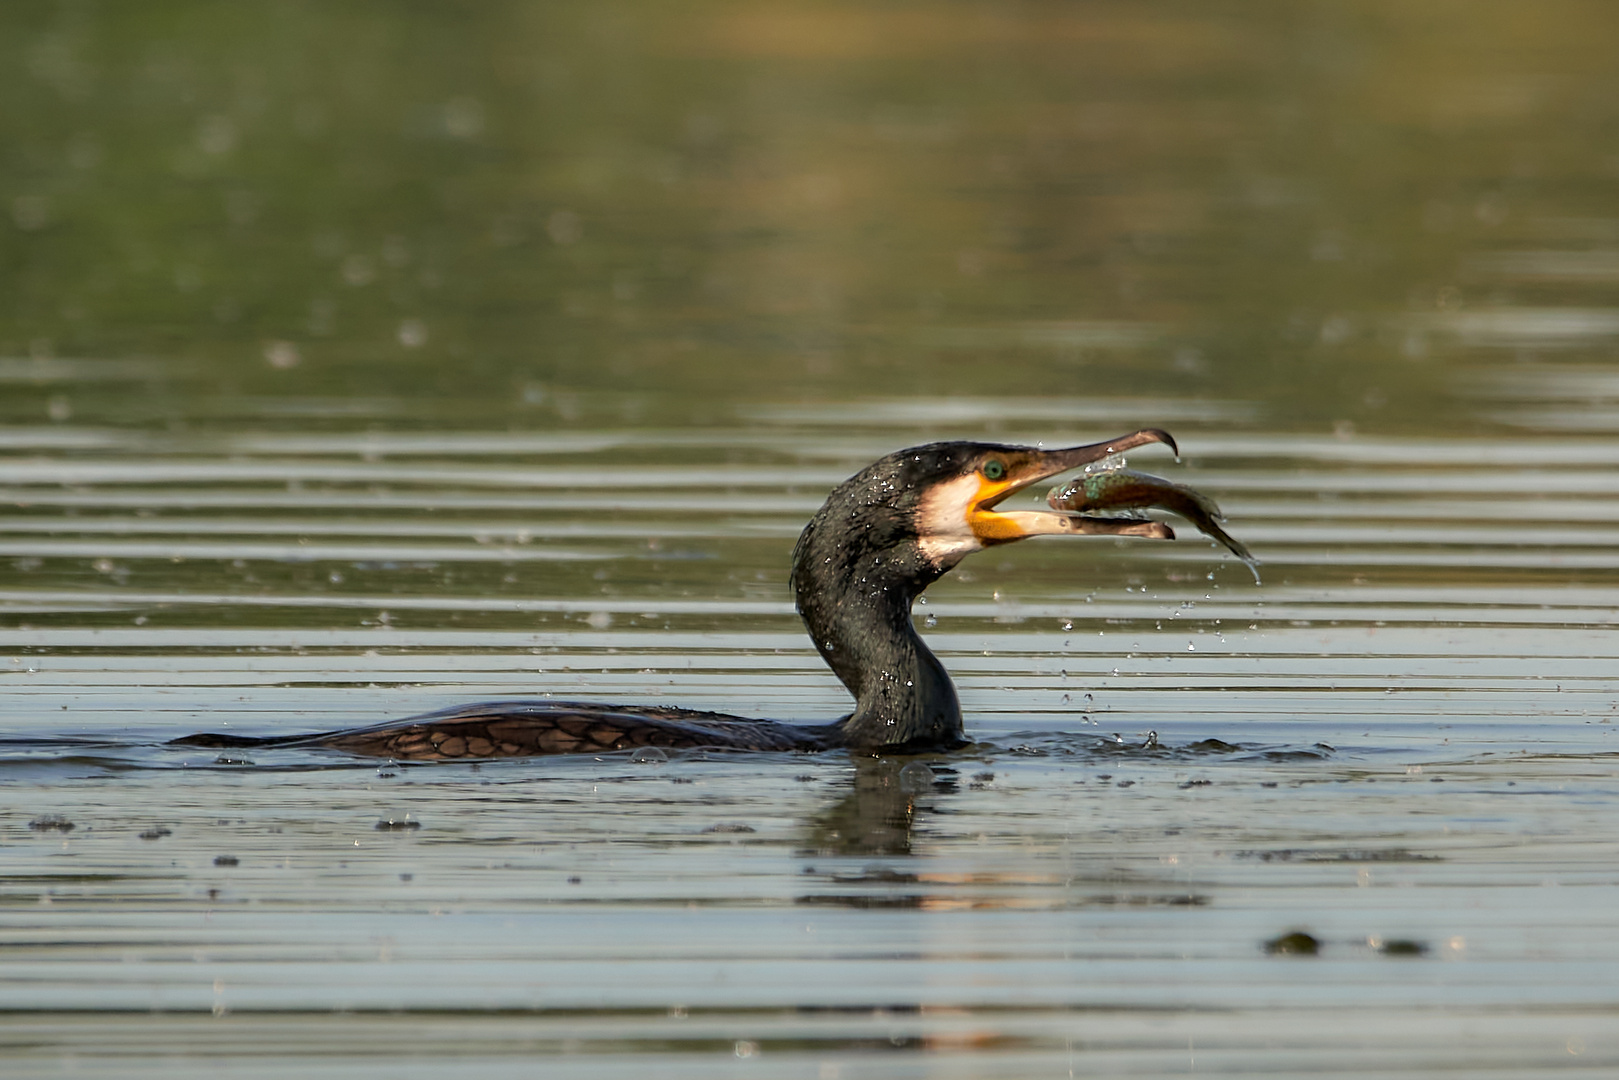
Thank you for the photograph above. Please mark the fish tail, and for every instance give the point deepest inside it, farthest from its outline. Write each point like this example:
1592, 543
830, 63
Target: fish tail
1235, 546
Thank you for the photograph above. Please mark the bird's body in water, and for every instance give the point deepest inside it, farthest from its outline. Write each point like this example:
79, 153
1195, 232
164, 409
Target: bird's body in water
882, 537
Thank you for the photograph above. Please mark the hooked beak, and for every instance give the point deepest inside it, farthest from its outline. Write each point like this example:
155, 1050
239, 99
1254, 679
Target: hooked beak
1031, 466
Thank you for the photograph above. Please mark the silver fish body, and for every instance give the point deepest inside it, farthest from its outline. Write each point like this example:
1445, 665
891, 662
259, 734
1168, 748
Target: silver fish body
1126, 489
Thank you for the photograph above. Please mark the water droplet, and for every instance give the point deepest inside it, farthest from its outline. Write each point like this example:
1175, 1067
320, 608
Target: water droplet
282, 355
463, 118
1068, 624
31, 212
359, 270
649, 755
412, 334
931, 621
216, 135
564, 227
916, 777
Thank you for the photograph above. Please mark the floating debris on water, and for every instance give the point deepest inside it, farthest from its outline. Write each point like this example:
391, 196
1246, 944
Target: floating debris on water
1336, 855
403, 822
51, 823
1294, 943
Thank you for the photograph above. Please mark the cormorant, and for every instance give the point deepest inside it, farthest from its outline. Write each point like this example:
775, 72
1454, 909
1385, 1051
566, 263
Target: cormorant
882, 537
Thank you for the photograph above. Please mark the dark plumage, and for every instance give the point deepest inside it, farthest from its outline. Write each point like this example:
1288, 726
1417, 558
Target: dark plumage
882, 537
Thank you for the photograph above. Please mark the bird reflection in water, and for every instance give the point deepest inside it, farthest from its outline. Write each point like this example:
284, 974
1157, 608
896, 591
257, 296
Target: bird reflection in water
879, 813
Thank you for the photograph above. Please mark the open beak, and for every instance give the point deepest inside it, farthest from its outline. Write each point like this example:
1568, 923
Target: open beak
1028, 466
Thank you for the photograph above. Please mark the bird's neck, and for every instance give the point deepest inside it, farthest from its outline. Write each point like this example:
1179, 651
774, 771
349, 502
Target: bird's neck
857, 607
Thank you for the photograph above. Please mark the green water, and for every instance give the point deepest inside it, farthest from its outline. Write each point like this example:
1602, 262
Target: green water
527, 216
361, 360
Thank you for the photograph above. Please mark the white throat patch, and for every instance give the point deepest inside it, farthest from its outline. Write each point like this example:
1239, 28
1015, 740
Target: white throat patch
944, 533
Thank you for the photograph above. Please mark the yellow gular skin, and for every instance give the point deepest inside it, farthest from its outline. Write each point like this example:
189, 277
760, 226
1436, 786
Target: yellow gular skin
987, 525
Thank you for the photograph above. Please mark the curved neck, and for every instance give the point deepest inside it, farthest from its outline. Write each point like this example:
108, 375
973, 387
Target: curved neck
857, 608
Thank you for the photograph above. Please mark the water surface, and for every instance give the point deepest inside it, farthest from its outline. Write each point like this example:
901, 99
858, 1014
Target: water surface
358, 364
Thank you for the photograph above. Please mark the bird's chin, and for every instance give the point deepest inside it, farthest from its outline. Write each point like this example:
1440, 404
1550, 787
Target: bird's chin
944, 552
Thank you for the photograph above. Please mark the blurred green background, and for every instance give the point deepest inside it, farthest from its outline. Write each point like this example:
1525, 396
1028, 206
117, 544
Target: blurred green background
526, 215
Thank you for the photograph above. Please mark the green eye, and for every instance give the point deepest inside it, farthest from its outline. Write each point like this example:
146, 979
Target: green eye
994, 470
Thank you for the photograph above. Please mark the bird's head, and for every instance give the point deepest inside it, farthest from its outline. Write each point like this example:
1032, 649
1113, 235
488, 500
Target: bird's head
958, 512
933, 505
